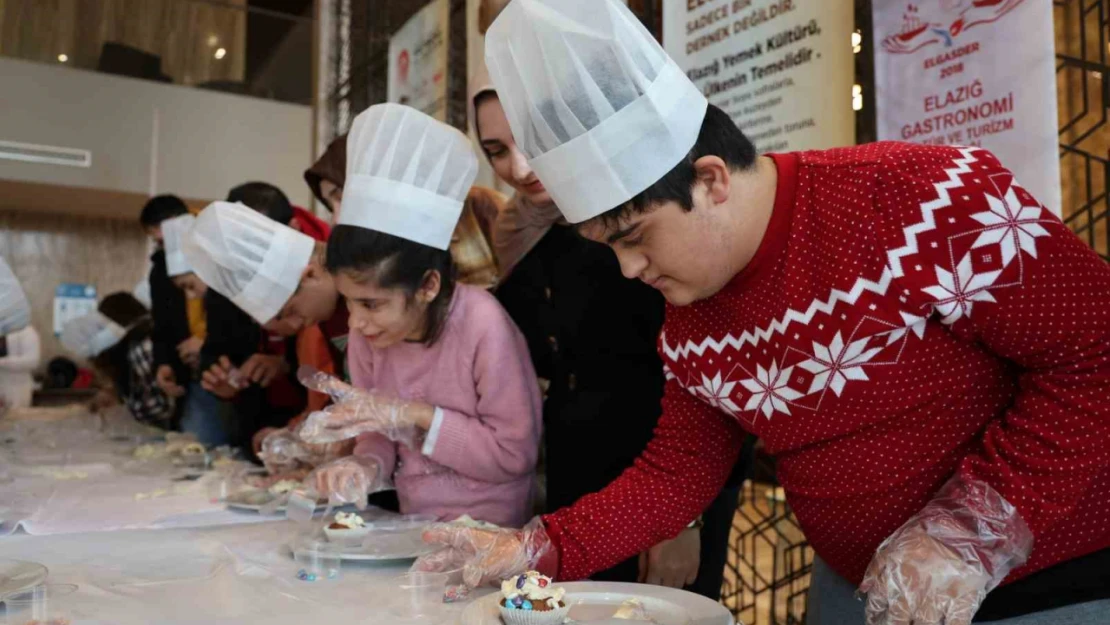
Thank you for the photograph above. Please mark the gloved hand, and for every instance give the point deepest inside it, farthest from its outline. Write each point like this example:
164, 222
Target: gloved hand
282, 451
348, 480
938, 567
485, 556
355, 411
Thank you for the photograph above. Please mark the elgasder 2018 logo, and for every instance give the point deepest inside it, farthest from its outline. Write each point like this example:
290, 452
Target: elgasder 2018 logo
943, 22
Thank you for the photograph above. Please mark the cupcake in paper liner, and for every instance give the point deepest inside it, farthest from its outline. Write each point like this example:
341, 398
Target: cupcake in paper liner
532, 599
347, 528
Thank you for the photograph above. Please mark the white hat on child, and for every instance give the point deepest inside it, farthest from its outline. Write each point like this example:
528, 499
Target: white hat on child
173, 233
407, 175
248, 258
595, 103
89, 335
15, 312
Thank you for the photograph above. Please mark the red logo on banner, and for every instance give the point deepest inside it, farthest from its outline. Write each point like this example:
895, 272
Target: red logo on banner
944, 25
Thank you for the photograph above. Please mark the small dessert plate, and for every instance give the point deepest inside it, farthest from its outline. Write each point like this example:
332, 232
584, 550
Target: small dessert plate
597, 602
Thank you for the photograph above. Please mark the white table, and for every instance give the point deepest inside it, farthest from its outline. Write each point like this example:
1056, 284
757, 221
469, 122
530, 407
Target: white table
230, 574
145, 549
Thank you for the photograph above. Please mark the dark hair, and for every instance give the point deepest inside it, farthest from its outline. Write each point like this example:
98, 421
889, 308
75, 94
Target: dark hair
394, 263
123, 308
719, 136
264, 198
479, 100
160, 208
61, 372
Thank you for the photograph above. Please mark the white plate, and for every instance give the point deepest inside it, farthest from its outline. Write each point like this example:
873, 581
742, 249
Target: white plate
381, 547
595, 602
258, 508
17, 575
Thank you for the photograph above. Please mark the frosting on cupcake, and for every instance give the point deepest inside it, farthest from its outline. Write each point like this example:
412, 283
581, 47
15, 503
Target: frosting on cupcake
348, 520
531, 589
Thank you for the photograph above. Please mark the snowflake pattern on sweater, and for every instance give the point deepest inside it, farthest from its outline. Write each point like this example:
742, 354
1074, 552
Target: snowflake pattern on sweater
912, 312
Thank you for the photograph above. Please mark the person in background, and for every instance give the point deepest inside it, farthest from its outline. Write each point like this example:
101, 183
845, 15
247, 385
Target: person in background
201, 415
923, 348
592, 334
171, 336
270, 394
444, 394
326, 176
273, 203
471, 246
129, 362
20, 350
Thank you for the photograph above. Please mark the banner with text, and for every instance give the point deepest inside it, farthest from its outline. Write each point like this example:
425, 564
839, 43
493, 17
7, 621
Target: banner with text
418, 61
973, 73
783, 69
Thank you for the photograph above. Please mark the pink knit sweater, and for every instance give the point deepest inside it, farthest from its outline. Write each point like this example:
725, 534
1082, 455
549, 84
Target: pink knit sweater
482, 456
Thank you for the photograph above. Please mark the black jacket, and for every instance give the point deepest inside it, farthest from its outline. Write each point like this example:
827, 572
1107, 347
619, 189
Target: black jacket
171, 324
231, 332
592, 333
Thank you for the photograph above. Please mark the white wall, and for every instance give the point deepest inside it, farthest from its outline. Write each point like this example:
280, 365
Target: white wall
149, 137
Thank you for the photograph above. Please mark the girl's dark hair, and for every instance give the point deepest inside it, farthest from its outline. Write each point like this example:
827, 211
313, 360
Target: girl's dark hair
394, 263
123, 308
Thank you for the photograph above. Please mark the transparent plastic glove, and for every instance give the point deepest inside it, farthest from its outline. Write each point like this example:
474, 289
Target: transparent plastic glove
282, 451
938, 567
485, 556
353, 412
348, 480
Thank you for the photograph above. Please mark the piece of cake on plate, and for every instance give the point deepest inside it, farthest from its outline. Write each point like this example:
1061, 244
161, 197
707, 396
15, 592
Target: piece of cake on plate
532, 599
347, 527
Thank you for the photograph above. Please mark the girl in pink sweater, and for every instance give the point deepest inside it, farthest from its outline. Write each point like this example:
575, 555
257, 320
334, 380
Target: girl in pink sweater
444, 394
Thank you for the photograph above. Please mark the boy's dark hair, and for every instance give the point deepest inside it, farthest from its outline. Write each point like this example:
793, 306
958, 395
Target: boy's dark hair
160, 208
719, 136
394, 263
122, 308
264, 198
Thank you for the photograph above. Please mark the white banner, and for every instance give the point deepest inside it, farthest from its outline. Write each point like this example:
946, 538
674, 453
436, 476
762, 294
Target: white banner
972, 72
783, 69
418, 61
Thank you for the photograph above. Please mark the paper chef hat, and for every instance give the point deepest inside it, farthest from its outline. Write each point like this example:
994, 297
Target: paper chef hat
15, 312
595, 103
407, 175
248, 258
89, 335
173, 233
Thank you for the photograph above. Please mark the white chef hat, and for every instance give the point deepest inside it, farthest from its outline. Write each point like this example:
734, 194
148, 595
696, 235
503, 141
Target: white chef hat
248, 258
595, 103
15, 312
89, 335
173, 233
407, 175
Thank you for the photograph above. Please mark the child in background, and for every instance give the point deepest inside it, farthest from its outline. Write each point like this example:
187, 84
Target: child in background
171, 335
117, 339
269, 394
445, 402
201, 415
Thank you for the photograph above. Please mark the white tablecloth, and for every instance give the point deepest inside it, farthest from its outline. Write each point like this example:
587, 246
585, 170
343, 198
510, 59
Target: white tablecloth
231, 574
143, 548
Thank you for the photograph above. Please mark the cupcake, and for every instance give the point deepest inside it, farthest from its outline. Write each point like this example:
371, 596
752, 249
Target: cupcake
347, 527
532, 599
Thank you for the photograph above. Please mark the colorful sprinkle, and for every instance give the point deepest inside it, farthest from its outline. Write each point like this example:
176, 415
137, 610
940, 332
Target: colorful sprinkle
543, 583
527, 605
517, 600
520, 582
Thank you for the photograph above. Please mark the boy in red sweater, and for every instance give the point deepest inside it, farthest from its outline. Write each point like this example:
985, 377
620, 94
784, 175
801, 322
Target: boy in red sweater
923, 347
